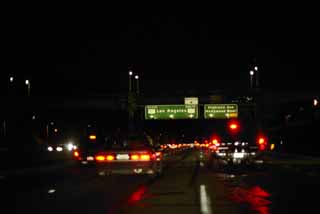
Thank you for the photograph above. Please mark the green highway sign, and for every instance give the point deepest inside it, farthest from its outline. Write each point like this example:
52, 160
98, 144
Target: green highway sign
167, 112
220, 111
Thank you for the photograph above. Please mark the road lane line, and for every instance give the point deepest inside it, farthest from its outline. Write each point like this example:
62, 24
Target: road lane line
205, 205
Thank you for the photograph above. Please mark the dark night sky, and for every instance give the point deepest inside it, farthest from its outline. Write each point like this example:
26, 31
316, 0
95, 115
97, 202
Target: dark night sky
170, 52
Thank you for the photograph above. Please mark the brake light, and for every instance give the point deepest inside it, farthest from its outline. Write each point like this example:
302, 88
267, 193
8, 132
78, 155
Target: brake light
76, 154
261, 140
262, 147
145, 157
92, 137
134, 157
234, 126
110, 157
100, 158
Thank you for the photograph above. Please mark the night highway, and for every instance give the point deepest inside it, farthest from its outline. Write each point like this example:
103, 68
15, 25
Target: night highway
188, 185
126, 112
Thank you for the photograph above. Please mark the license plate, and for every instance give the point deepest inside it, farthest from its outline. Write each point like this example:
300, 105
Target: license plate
238, 155
90, 158
123, 157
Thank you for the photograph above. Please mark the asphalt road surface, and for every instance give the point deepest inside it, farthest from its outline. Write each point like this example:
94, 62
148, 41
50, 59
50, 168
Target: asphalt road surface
188, 185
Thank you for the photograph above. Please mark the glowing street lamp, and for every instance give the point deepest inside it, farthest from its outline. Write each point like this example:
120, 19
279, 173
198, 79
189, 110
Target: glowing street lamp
137, 79
11, 79
27, 82
251, 78
130, 80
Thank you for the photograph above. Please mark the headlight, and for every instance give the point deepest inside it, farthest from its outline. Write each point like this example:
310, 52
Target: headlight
50, 149
59, 148
70, 146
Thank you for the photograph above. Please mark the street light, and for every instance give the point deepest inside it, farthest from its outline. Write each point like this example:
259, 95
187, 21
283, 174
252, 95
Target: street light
11, 79
27, 82
137, 78
130, 80
315, 102
256, 75
251, 78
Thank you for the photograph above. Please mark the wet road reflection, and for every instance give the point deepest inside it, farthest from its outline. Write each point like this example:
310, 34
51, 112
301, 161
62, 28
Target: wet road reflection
256, 198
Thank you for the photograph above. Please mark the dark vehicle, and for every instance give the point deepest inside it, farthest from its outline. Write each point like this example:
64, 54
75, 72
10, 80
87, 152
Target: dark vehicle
133, 154
89, 146
237, 142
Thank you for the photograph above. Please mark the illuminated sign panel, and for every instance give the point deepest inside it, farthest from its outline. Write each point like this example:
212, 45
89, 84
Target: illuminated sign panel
167, 112
220, 111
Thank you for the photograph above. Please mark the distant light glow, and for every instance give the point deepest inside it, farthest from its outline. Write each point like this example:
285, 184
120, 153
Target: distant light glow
136, 77
70, 146
59, 148
51, 191
76, 154
261, 140
251, 73
130, 73
233, 126
50, 149
272, 146
92, 137
27, 82
315, 102
256, 68
55, 130
11, 79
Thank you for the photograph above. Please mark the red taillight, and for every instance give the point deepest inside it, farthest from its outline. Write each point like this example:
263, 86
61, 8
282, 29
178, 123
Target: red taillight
262, 147
100, 158
134, 157
261, 141
213, 147
76, 154
145, 157
234, 126
110, 158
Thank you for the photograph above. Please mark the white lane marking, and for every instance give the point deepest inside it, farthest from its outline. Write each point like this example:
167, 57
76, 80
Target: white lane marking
205, 205
201, 164
51, 191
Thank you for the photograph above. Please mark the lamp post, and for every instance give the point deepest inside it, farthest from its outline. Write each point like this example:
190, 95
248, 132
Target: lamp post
27, 82
130, 80
257, 76
137, 81
251, 78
